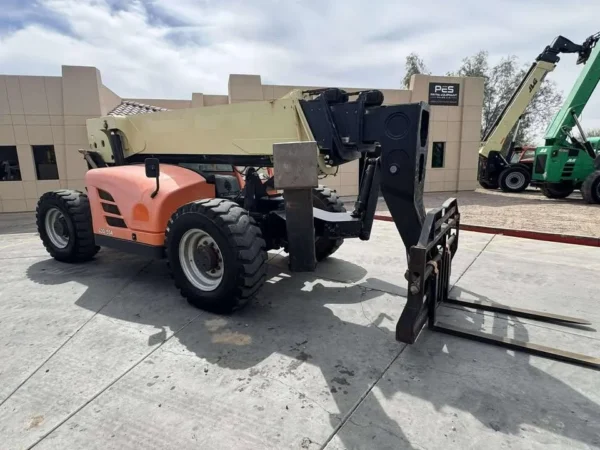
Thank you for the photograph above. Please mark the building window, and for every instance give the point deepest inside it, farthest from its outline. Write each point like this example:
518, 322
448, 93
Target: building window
437, 156
45, 162
9, 164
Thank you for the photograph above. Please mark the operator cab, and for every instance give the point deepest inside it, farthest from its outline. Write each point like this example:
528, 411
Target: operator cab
228, 182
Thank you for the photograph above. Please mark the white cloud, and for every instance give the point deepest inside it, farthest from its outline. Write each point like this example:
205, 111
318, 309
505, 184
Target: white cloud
170, 49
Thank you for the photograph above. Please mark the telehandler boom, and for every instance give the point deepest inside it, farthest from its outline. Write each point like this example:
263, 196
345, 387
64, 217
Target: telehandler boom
565, 163
494, 170
168, 184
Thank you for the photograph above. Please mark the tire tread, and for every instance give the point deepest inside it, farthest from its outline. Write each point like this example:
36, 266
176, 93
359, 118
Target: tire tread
588, 188
77, 205
243, 234
332, 204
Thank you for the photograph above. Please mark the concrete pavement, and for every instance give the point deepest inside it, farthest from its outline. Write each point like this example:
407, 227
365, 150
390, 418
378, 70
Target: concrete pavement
107, 355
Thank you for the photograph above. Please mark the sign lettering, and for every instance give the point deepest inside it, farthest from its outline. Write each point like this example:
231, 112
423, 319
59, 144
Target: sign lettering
444, 94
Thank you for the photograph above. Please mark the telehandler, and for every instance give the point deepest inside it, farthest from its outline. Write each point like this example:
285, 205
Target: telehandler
565, 163
169, 184
494, 169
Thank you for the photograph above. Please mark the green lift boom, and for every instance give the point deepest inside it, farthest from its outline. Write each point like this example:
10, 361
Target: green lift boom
494, 169
565, 163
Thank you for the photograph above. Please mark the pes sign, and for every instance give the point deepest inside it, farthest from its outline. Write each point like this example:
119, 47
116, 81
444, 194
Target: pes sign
444, 94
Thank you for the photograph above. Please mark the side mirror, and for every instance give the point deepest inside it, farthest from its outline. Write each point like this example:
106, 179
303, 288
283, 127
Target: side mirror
153, 171
152, 167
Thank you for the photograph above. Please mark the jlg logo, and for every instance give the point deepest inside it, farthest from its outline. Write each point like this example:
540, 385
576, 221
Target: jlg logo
444, 89
533, 84
105, 231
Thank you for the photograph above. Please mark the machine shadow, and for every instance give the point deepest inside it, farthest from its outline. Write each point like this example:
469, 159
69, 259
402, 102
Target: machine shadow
292, 316
518, 394
333, 326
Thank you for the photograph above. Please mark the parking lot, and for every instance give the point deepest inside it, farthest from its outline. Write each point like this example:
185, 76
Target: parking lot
529, 210
107, 355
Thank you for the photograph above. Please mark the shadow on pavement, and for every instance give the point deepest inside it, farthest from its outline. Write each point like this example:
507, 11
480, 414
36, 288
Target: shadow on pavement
294, 316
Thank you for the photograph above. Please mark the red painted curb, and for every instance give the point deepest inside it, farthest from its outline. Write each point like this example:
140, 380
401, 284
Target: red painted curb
525, 234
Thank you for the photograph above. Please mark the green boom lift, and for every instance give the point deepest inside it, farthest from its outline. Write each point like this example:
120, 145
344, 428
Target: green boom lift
494, 169
565, 163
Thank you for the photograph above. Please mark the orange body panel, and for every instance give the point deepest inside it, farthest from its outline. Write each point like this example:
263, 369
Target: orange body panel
130, 190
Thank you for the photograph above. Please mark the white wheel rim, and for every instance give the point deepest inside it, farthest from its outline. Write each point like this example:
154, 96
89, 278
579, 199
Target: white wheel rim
55, 225
201, 260
515, 180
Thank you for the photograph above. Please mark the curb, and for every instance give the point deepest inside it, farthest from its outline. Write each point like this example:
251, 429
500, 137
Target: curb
525, 234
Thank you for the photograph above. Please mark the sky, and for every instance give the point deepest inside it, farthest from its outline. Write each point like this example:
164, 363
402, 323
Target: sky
169, 49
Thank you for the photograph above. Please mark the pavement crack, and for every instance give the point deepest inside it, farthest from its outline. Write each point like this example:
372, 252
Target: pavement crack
75, 333
361, 399
473, 262
112, 383
363, 293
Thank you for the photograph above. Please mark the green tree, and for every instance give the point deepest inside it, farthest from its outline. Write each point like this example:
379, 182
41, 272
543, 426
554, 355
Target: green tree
413, 65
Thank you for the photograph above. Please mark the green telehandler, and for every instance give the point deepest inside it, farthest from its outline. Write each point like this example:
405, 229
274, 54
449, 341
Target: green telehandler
495, 169
565, 163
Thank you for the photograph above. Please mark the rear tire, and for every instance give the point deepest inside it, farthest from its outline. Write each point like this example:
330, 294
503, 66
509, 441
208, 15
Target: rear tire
487, 185
590, 189
240, 257
64, 222
514, 179
326, 199
556, 190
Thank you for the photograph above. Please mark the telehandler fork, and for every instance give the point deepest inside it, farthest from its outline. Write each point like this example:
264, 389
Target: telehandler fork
168, 185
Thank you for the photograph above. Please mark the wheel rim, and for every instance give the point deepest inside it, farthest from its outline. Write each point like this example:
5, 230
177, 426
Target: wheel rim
201, 260
515, 180
56, 228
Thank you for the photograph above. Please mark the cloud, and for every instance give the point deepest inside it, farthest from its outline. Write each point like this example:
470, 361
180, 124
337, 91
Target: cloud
169, 49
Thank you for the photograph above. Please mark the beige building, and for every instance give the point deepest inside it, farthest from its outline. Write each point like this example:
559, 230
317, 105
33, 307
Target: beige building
42, 127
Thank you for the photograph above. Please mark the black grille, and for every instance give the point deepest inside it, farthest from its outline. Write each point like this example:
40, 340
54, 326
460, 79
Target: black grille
113, 209
540, 164
105, 196
568, 170
115, 222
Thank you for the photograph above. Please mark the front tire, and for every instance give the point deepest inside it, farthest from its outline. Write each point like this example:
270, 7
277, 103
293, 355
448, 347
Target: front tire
590, 189
64, 223
488, 185
557, 190
216, 254
514, 179
326, 199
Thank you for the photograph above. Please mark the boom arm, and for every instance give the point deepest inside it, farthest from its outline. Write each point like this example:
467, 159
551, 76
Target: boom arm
244, 132
524, 93
582, 90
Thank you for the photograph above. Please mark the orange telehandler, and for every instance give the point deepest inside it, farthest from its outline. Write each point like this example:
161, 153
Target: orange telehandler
169, 185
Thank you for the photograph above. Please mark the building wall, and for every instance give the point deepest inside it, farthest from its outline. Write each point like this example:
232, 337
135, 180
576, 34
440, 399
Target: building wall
52, 111
459, 127
47, 111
